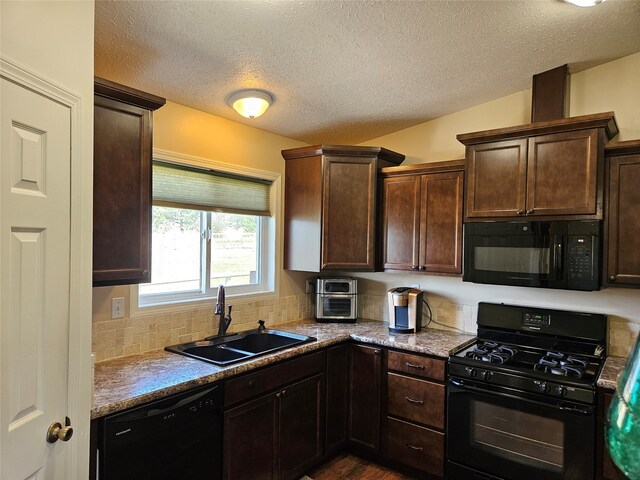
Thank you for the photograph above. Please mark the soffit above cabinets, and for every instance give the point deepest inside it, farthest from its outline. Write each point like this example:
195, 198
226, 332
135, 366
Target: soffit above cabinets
345, 72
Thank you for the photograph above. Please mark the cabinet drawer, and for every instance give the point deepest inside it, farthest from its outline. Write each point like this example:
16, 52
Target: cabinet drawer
259, 382
416, 400
416, 365
417, 447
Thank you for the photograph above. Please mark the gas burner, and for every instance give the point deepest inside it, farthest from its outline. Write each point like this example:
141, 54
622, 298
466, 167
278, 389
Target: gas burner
558, 363
492, 352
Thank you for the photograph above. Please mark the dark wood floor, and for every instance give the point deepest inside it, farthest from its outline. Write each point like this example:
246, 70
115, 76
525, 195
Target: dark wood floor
349, 466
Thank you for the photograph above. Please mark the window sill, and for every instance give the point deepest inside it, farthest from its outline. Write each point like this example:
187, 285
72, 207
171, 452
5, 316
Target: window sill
192, 304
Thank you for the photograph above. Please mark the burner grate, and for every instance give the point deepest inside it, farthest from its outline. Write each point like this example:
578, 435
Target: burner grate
558, 363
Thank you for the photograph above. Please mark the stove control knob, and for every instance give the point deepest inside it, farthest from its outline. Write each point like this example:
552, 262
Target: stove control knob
470, 371
486, 375
562, 391
543, 387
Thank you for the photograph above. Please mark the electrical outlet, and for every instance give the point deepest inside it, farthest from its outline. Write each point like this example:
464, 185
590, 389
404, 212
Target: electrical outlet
117, 307
308, 287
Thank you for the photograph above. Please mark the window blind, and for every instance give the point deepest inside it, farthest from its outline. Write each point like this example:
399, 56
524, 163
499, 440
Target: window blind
182, 186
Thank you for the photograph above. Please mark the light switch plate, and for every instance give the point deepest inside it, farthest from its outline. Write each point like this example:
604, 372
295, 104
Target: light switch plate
117, 307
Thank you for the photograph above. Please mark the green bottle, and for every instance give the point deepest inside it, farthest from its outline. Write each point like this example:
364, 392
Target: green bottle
623, 425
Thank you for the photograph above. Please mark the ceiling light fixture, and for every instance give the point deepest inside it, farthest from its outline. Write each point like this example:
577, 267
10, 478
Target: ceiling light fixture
585, 3
250, 103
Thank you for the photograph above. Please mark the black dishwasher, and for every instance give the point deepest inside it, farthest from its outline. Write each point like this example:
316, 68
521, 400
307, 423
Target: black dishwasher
178, 437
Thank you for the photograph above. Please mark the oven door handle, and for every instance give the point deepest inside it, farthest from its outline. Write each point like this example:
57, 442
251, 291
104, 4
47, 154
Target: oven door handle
577, 410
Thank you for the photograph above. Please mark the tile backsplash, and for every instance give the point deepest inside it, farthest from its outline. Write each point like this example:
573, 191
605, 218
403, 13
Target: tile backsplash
128, 336
456, 317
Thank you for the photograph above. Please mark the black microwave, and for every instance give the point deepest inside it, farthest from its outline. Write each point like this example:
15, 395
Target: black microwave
560, 254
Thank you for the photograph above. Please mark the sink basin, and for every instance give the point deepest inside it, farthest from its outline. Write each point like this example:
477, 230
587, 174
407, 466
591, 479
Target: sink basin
215, 353
239, 346
264, 342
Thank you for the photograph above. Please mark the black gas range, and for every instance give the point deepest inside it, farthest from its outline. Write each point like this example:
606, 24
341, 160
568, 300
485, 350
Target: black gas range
521, 399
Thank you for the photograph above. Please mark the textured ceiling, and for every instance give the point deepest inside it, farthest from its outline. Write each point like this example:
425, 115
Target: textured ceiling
349, 71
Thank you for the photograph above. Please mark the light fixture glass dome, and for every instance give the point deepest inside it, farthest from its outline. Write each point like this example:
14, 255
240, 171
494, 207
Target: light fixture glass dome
585, 3
250, 103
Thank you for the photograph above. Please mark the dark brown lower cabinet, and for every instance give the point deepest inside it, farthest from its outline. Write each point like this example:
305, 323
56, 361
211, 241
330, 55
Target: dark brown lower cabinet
337, 397
415, 422
251, 439
281, 434
300, 427
415, 446
365, 375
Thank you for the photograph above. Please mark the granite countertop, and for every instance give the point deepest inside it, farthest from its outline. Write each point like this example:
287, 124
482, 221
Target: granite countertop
609, 375
130, 381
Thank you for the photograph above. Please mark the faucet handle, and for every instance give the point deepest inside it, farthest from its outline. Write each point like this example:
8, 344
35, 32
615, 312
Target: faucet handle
261, 327
230, 307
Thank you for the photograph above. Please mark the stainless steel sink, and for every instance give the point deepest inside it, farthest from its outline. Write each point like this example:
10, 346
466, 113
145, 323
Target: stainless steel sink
239, 346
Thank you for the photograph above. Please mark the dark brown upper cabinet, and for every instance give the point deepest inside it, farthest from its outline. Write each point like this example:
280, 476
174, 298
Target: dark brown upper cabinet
622, 261
422, 217
330, 206
543, 170
122, 149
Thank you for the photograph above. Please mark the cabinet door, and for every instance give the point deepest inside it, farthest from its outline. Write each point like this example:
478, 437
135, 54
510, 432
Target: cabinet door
623, 256
301, 427
348, 213
400, 222
337, 397
441, 223
121, 193
251, 439
364, 398
562, 173
496, 179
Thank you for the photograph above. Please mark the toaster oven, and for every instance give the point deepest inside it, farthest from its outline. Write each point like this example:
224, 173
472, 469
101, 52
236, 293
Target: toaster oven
336, 300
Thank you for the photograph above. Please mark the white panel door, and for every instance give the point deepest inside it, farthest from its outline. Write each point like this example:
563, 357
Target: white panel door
35, 150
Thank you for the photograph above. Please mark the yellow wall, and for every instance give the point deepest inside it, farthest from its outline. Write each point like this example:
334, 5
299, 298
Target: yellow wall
188, 131
614, 86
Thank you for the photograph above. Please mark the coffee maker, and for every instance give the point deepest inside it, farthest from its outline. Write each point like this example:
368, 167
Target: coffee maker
405, 309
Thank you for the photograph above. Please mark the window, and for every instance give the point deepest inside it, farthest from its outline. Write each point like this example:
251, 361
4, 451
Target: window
209, 227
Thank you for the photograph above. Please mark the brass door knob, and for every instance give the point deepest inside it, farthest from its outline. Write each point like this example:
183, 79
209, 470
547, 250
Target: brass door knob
520, 212
530, 211
612, 278
57, 432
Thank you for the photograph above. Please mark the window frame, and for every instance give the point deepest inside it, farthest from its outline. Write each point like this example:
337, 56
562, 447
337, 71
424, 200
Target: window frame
269, 246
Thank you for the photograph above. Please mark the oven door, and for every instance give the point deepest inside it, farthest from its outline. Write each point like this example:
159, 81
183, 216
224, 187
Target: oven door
514, 436
528, 254
336, 307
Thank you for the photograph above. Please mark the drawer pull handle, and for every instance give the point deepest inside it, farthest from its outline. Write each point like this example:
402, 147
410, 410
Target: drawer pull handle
413, 365
414, 447
417, 402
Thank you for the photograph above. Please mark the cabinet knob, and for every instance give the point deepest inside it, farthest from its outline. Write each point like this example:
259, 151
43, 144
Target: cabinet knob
530, 211
145, 273
376, 352
414, 267
520, 212
423, 268
612, 278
